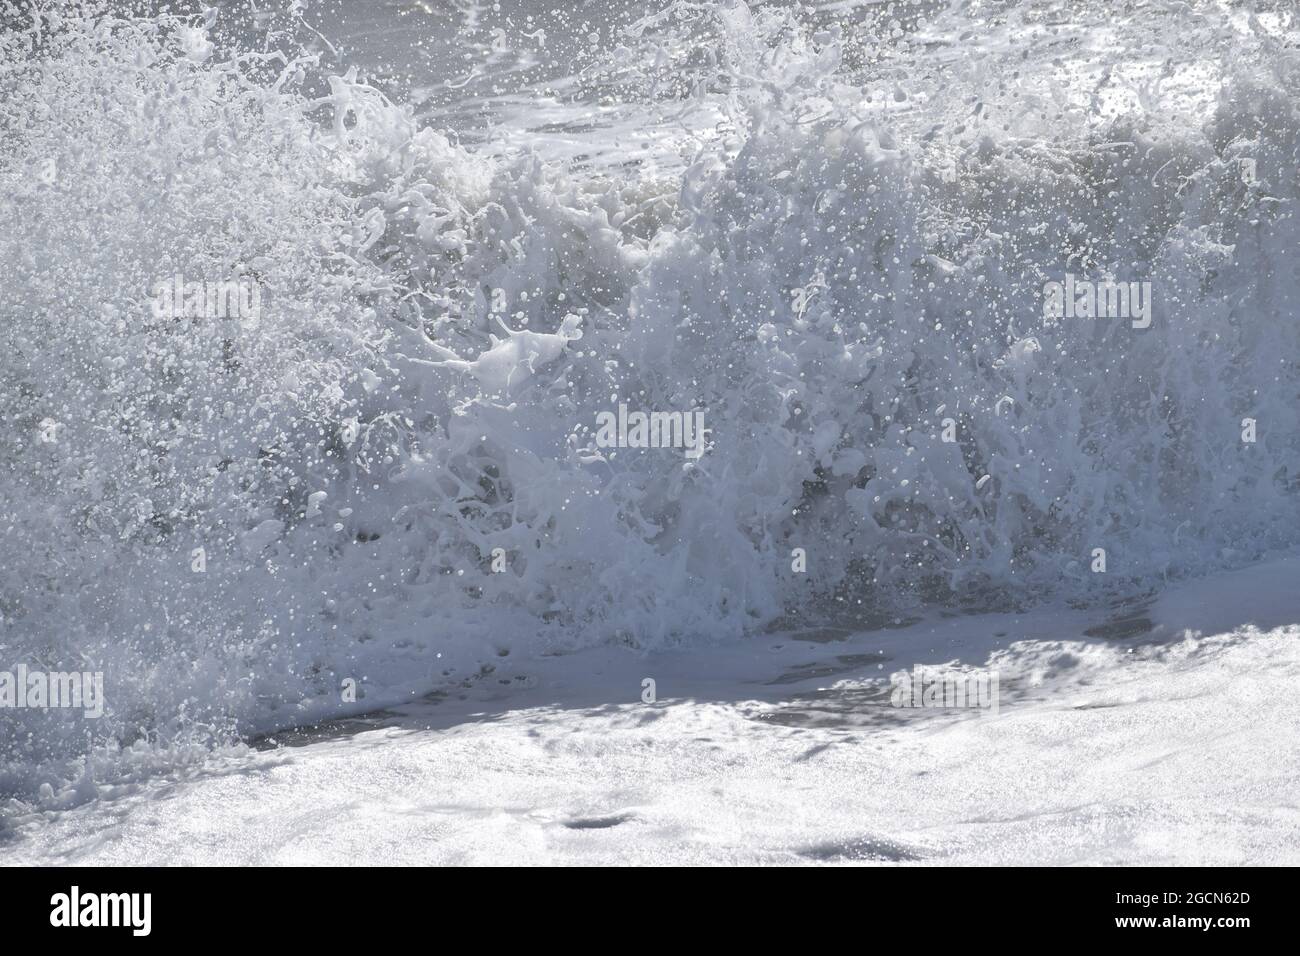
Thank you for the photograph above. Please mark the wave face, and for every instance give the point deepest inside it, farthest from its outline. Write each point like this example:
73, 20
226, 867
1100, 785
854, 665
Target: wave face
394, 473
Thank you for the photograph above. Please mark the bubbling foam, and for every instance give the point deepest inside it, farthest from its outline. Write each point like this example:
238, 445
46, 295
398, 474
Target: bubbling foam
393, 475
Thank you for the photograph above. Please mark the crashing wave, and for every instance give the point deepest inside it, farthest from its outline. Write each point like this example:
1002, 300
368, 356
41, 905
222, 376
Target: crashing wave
393, 474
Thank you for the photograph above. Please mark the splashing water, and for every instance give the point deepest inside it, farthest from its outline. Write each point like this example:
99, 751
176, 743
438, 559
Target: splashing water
834, 243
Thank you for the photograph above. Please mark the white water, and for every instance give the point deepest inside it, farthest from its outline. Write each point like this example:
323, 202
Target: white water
1173, 747
665, 189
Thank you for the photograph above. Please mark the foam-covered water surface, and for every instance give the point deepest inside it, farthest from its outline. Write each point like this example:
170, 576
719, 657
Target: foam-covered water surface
1172, 750
474, 228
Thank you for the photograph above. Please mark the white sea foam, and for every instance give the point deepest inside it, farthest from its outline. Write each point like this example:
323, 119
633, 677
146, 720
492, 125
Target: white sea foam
854, 251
